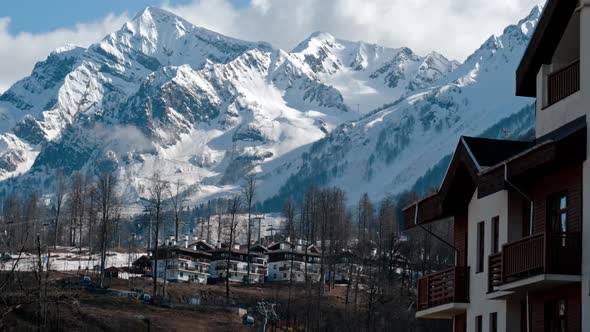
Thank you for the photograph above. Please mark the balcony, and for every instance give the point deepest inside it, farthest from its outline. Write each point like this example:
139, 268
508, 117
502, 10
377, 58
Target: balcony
563, 83
536, 262
444, 294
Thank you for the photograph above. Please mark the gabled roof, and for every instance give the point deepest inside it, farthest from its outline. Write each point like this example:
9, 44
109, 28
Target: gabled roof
275, 248
243, 250
484, 163
181, 249
488, 152
456, 189
259, 248
202, 245
543, 44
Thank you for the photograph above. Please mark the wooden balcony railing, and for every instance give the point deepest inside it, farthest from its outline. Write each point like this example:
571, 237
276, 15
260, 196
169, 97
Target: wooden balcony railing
563, 83
448, 286
494, 271
543, 253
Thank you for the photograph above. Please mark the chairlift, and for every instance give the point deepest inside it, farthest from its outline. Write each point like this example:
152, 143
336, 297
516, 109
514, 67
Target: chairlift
248, 320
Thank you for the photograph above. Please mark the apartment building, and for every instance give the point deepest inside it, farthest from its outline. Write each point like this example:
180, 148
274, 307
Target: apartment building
293, 261
521, 236
189, 262
238, 263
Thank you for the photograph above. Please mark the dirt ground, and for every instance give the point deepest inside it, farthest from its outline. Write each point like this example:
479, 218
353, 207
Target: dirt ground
80, 310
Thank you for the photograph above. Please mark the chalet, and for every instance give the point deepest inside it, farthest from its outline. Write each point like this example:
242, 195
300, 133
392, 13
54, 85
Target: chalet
141, 265
184, 263
288, 260
112, 272
238, 263
344, 268
521, 237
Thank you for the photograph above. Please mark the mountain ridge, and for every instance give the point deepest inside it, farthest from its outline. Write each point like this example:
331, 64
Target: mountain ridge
161, 94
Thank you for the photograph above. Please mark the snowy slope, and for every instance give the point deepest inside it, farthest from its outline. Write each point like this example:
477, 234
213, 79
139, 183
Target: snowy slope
163, 95
370, 75
74, 84
389, 149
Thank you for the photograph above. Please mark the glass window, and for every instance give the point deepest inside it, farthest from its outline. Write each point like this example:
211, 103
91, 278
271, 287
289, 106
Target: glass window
558, 206
478, 324
480, 246
555, 316
494, 322
495, 234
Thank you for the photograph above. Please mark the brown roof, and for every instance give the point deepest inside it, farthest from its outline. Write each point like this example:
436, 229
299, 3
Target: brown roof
543, 44
182, 249
479, 163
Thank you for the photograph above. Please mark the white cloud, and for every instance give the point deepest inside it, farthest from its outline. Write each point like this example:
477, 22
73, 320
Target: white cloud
452, 27
20, 52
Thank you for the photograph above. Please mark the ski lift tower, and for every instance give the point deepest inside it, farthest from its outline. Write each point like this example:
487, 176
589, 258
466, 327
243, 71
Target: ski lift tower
267, 312
259, 218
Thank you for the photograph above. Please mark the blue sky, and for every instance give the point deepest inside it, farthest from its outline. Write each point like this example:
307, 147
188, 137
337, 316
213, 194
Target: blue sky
39, 16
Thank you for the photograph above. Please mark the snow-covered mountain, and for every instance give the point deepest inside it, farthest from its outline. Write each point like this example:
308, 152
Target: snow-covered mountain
163, 95
390, 149
369, 75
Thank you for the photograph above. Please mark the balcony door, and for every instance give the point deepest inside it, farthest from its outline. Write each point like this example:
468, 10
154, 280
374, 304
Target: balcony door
555, 319
557, 219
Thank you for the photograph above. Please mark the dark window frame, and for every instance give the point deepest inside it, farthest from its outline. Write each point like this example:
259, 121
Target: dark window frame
479, 323
555, 212
494, 322
480, 247
495, 234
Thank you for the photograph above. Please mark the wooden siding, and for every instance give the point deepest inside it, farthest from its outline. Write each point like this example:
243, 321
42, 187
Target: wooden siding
571, 295
460, 238
490, 182
567, 179
461, 323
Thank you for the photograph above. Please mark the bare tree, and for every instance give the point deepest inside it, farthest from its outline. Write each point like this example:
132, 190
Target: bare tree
91, 194
233, 208
249, 189
156, 200
289, 213
108, 201
60, 191
75, 205
208, 239
219, 210
176, 198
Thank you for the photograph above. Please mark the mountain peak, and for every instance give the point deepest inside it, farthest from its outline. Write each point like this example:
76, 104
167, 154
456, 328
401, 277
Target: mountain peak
151, 12
527, 24
317, 39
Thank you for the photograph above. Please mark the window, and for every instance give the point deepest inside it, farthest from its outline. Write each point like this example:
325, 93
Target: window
526, 218
181, 275
274, 276
555, 320
495, 234
284, 275
558, 213
480, 246
478, 324
494, 322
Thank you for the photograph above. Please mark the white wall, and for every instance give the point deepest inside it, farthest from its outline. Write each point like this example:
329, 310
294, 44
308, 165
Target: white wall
484, 210
585, 90
274, 274
235, 276
574, 106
